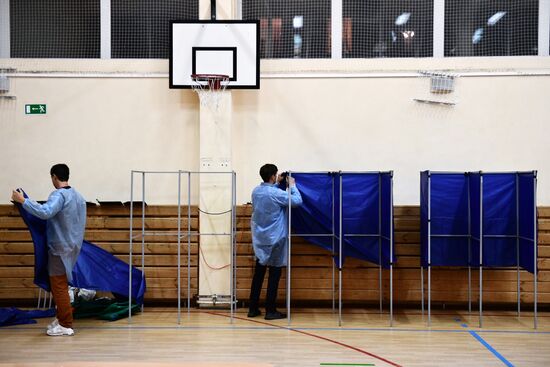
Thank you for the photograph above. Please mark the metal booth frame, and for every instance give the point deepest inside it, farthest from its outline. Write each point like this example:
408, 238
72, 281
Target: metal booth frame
340, 240
470, 237
182, 234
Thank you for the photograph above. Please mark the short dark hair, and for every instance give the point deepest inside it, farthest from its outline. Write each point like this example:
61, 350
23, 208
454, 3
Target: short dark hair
61, 171
267, 171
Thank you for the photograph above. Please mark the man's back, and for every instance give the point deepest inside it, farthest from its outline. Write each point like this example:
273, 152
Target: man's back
269, 222
66, 228
65, 214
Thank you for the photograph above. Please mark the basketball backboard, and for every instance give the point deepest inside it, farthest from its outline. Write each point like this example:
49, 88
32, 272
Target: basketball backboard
228, 47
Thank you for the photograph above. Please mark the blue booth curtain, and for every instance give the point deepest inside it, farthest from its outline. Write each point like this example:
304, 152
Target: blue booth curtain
320, 213
448, 197
455, 197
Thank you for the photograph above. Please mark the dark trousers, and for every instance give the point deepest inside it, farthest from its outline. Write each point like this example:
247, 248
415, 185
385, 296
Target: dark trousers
272, 286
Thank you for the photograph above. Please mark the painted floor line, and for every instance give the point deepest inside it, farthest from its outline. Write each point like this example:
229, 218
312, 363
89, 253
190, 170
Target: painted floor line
317, 337
491, 349
486, 344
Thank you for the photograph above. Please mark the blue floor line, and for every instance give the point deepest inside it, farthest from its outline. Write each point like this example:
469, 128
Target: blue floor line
490, 348
486, 345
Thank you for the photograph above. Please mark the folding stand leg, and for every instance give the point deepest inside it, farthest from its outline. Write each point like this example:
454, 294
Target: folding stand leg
380, 286
429, 295
535, 252
517, 247
142, 232
518, 276
39, 297
288, 267
179, 248
391, 251
480, 297
333, 248
340, 252
422, 289
46, 295
340, 297
391, 294
131, 246
469, 249
189, 244
333, 288
380, 240
469, 289
481, 251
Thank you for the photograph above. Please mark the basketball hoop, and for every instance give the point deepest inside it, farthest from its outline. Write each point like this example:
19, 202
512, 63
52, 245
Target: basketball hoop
209, 88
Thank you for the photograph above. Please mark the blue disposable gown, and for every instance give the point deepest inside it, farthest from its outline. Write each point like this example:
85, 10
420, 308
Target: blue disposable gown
270, 223
65, 215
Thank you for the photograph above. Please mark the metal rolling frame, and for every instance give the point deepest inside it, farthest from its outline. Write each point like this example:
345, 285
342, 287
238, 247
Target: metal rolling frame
421, 266
142, 232
233, 266
179, 247
535, 250
188, 246
391, 249
189, 234
288, 271
429, 248
517, 246
517, 236
379, 235
290, 235
380, 240
340, 242
231, 235
469, 236
131, 247
333, 264
469, 250
481, 250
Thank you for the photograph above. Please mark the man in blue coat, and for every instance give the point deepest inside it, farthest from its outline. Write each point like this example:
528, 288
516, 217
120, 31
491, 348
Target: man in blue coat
269, 226
65, 215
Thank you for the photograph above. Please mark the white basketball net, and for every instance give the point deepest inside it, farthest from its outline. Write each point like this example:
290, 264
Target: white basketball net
210, 88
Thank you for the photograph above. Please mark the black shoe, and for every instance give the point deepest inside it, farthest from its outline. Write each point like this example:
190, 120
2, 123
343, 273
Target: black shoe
275, 315
254, 313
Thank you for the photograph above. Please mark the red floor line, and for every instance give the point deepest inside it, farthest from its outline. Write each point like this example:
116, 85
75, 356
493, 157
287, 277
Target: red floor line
312, 335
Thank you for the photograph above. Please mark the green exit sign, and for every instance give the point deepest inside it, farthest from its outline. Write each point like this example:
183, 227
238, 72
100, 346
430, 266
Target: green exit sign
35, 109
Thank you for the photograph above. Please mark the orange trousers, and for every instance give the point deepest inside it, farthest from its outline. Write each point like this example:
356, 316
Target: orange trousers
59, 286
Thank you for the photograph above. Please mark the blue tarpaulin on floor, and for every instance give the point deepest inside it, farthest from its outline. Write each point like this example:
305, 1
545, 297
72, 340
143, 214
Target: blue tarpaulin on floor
13, 316
366, 212
463, 208
95, 268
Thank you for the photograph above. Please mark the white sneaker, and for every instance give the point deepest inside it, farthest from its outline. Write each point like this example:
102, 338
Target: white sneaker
59, 330
53, 324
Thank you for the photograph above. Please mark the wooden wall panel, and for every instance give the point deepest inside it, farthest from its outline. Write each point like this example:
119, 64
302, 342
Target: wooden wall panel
108, 227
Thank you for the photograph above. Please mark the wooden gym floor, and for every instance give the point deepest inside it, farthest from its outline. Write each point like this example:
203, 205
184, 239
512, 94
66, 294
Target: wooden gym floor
208, 339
